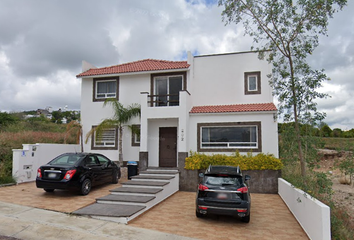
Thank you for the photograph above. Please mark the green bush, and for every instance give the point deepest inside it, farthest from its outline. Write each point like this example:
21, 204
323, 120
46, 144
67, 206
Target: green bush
260, 161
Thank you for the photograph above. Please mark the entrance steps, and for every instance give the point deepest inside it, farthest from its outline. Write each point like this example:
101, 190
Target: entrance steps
135, 196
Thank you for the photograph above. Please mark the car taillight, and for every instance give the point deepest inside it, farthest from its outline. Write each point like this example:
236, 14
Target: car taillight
242, 209
243, 189
201, 187
39, 173
203, 208
69, 174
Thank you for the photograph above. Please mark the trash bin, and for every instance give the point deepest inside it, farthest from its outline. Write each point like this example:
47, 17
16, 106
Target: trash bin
132, 169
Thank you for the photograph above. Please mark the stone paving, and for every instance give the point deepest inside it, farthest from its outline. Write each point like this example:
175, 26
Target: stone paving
270, 218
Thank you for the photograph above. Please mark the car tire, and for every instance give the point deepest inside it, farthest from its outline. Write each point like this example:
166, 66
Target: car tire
199, 215
49, 190
246, 219
85, 187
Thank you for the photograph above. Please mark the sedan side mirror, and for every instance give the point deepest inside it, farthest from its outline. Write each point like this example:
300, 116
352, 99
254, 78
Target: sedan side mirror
201, 174
247, 177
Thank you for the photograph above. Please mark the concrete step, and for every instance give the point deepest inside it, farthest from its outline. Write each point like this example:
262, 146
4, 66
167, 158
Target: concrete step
135, 196
136, 191
109, 210
162, 169
152, 177
125, 199
160, 172
148, 184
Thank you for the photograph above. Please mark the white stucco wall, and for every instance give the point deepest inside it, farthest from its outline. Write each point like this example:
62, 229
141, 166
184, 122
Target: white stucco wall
268, 126
313, 216
219, 79
153, 138
211, 80
27, 160
92, 113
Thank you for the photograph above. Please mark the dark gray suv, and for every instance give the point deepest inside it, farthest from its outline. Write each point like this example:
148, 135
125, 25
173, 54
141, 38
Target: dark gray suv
223, 191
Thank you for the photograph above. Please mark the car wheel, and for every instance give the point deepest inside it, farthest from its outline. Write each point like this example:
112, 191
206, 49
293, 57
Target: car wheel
199, 215
115, 177
49, 190
246, 219
86, 187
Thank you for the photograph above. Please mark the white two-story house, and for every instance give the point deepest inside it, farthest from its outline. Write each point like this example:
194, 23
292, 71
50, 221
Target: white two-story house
212, 103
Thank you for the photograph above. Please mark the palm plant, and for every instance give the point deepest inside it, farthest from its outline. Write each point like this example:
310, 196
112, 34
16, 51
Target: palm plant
74, 127
121, 116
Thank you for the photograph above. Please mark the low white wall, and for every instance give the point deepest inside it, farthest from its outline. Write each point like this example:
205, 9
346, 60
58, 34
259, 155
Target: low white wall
312, 215
26, 161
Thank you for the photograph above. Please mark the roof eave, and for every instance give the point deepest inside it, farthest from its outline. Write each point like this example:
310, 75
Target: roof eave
233, 113
134, 73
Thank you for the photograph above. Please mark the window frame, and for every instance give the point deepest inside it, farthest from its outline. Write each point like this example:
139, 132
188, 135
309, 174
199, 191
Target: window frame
104, 147
109, 79
247, 75
258, 126
135, 142
153, 85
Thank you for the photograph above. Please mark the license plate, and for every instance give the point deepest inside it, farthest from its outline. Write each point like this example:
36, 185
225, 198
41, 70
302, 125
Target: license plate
52, 175
222, 196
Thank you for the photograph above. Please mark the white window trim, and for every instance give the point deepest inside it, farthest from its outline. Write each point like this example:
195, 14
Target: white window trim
229, 143
106, 94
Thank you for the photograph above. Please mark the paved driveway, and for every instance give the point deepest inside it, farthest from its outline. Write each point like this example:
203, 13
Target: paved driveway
270, 217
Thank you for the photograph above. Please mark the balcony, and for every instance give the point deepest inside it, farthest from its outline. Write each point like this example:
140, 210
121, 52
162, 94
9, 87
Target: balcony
163, 100
165, 106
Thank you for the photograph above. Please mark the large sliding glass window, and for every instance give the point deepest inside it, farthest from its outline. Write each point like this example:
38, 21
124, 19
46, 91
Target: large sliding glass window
229, 137
218, 137
167, 90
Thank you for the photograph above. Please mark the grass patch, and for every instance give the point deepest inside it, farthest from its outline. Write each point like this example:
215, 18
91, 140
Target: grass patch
7, 180
339, 143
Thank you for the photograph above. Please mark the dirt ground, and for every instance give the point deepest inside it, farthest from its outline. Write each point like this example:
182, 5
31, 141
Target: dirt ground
343, 194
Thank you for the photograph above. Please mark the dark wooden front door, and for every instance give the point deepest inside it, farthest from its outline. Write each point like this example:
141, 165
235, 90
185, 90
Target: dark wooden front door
168, 147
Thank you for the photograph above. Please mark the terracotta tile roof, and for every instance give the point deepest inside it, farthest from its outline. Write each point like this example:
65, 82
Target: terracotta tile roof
256, 107
138, 66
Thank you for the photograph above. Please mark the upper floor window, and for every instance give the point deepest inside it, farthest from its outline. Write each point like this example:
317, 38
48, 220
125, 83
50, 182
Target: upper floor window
166, 88
218, 137
107, 139
105, 88
252, 83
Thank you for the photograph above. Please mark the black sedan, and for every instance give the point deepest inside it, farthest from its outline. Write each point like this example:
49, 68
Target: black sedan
77, 171
223, 191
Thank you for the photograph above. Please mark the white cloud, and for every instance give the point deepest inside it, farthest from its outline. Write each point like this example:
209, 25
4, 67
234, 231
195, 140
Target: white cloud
43, 43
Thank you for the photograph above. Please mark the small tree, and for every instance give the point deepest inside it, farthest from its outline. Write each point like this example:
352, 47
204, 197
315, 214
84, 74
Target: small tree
287, 30
121, 116
346, 166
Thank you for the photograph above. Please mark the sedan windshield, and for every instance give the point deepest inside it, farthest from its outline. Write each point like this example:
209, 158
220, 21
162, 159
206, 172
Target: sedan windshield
66, 160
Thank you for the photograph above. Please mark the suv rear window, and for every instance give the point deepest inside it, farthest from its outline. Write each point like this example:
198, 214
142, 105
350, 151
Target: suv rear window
223, 180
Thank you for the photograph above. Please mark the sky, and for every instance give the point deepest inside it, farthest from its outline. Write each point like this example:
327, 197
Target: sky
43, 43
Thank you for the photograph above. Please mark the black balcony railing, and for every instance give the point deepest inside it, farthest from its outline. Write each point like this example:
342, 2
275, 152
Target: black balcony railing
163, 100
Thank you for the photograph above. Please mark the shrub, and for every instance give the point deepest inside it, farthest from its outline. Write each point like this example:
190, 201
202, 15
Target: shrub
260, 161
